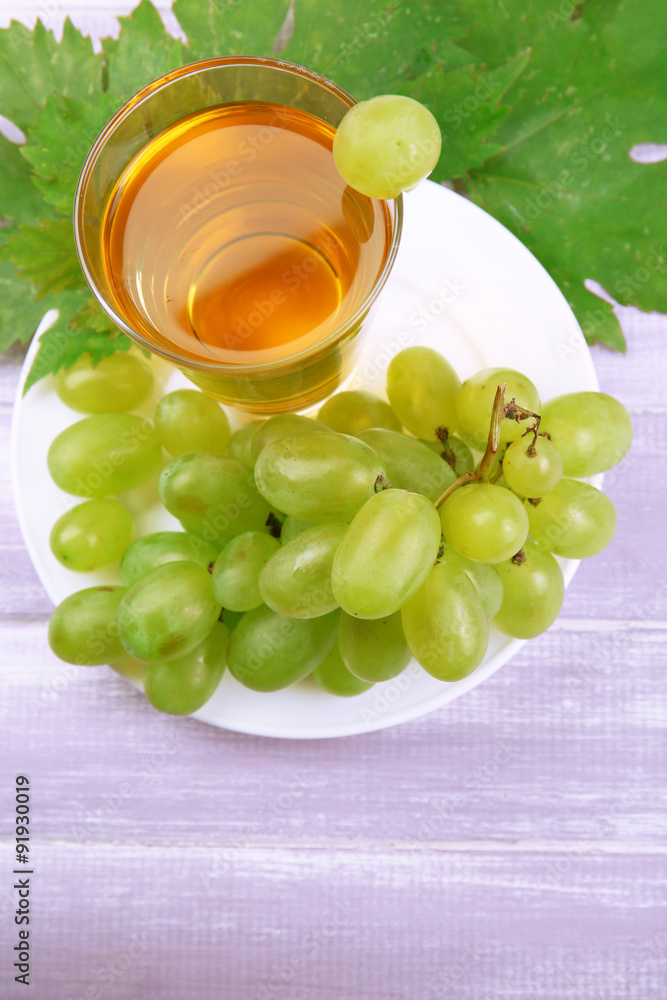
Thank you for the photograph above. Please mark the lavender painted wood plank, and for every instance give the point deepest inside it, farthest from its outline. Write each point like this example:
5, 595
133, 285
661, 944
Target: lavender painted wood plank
560, 744
299, 924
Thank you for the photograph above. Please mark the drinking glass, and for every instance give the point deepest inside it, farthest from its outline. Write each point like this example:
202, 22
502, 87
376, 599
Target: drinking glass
217, 213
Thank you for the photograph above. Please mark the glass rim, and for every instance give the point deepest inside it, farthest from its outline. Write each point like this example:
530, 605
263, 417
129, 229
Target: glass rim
178, 360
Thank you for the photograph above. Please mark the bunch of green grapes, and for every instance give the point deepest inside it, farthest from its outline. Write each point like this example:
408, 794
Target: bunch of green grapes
340, 546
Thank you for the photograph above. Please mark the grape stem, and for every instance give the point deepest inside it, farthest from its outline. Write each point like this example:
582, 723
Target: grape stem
516, 412
498, 413
484, 470
467, 477
442, 436
485, 466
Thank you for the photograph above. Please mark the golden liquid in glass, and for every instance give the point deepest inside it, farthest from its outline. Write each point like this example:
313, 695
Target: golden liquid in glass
232, 238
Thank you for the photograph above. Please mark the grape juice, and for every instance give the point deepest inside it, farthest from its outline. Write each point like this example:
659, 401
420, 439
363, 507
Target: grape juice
232, 238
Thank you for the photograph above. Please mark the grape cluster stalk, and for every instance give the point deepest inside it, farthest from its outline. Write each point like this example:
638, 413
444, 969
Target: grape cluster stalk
338, 547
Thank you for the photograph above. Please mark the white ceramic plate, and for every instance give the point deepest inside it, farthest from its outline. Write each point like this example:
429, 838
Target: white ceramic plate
462, 284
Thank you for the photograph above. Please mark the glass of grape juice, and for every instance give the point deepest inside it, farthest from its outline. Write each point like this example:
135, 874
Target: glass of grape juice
214, 229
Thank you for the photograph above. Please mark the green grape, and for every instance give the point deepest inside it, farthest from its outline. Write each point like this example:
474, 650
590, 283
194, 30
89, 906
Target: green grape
454, 452
115, 384
355, 411
92, 534
83, 630
240, 444
445, 625
236, 571
532, 470
575, 520
386, 145
373, 649
484, 578
282, 426
231, 618
386, 554
474, 404
212, 495
333, 676
457, 454
592, 431
484, 522
318, 477
296, 581
187, 420
103, 454
292, 527
422, 390
410, 464
182, 686
269, 651
167, 612
164, 547
534, 592
130, 668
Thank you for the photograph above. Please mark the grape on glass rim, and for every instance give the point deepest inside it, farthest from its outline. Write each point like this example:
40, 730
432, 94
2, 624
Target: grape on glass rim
386, 145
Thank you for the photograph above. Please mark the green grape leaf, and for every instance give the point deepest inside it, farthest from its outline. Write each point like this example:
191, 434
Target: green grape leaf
229, 27
33, 66
91, 316
564, 181
58, 145
466, 104
370, 48
69, 337
45, 255
20, 312
142, 52
20, 202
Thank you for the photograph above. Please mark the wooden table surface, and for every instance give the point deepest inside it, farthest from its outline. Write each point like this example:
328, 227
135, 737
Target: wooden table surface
511, 845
